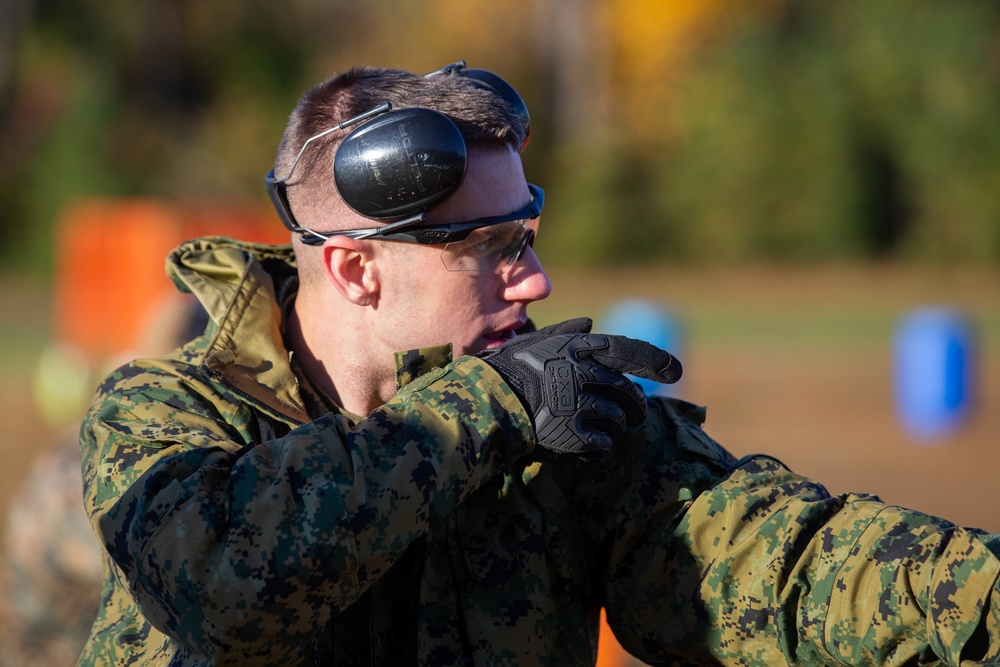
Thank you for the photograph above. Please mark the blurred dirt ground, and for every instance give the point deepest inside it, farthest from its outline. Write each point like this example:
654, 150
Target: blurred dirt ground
795, 363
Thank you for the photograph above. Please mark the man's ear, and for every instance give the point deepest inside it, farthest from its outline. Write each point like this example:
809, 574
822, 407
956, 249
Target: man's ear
349, 266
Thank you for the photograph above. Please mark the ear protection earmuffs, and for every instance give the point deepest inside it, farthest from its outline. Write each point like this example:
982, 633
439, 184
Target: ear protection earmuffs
398, 164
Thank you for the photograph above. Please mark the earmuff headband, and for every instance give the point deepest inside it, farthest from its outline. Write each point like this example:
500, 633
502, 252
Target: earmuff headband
398, 164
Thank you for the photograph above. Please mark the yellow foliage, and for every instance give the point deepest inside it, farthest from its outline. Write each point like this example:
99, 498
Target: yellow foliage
652, 43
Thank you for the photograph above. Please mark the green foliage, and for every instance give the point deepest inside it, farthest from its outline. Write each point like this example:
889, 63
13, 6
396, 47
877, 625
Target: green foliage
840, 130
818, 130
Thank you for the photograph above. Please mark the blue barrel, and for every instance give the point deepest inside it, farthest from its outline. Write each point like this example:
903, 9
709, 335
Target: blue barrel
648, 321
933, 361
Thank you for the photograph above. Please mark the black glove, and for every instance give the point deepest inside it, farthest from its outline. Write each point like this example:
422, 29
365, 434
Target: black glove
572, 382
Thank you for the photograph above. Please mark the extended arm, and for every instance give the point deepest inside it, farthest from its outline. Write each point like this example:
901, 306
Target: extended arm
749, 563
220, 539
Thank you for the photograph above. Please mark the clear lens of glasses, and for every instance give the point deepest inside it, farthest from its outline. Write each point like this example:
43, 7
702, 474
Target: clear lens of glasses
488, 249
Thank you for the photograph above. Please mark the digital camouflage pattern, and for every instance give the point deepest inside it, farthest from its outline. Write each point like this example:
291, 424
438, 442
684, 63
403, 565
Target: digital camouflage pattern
242, 530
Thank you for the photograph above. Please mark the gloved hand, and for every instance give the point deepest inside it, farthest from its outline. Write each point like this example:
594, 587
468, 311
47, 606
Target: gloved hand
573, 382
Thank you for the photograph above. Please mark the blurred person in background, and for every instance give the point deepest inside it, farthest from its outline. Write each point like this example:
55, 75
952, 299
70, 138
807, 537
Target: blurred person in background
371, 456
51, 572
51, 567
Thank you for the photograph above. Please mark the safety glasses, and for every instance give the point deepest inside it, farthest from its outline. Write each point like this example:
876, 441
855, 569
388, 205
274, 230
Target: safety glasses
480, 245
490, 248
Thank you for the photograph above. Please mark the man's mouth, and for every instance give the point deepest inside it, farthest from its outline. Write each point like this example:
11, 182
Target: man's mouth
497, 338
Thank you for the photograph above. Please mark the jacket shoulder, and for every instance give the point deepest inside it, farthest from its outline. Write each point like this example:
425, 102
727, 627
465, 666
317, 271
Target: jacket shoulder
150, 408
169, 389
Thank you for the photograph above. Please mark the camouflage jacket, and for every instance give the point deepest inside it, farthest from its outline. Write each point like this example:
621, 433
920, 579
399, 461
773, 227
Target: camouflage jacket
243, 531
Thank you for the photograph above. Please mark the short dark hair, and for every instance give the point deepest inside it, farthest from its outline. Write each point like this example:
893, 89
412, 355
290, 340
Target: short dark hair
483, 117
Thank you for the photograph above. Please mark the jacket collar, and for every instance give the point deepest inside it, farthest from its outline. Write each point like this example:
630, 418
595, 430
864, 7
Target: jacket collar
239, 285
239, 294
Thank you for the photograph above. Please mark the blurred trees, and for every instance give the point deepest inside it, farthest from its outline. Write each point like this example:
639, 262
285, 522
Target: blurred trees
834, 130
700, 130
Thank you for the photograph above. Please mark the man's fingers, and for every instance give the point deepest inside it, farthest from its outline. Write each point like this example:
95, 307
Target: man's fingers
575, 326
639, 358
619, 389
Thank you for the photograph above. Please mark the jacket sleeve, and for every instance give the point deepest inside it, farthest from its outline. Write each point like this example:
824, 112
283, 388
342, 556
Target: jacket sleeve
243, 549
744, 562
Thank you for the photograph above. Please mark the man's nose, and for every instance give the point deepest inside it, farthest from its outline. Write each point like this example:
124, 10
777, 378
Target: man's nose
525, 279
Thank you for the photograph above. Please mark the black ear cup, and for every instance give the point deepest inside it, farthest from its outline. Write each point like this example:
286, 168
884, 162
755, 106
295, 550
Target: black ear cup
279, 197
400, 164
490, 81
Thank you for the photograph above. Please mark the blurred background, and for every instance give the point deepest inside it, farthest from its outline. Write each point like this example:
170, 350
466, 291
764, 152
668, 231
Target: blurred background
785, 181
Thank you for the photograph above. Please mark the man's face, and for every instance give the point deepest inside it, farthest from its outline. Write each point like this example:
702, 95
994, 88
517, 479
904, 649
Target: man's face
425, 304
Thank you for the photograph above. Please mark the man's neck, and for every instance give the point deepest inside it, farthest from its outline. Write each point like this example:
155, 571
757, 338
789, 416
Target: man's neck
336, 361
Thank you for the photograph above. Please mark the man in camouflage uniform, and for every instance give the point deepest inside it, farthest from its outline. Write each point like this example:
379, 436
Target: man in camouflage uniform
361, 463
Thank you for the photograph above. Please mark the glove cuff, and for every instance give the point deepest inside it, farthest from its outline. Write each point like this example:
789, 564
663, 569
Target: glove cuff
510, 400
